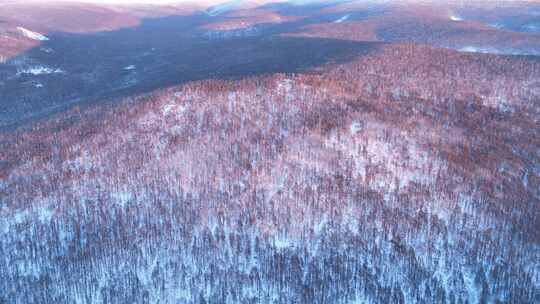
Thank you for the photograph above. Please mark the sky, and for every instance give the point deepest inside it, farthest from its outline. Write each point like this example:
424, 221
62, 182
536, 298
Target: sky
160, 1
133, 1
220, 1
215, 2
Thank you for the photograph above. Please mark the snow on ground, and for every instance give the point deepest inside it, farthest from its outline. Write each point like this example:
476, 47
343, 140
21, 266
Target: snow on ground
456, 18
122, 198
242, 32
342, 19
356, 127
223, 8
493, 50
470, 49
532, 27
32, 35
46, 50
496, 25
284, 242
40, 70
486, 50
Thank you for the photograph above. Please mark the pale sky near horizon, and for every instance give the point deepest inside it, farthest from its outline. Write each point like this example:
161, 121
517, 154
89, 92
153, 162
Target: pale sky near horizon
157, 2
216, 2
127, 1
223, 1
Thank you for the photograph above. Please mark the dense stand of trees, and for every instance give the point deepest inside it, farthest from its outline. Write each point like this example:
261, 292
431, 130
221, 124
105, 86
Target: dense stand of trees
407, 176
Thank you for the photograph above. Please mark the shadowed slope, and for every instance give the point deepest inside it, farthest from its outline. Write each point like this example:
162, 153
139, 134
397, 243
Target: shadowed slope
72, 68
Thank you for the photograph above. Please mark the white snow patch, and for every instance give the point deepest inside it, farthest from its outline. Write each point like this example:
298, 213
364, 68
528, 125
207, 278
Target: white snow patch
46, 50
20, 217
320, 226
473, 49
342, 19
278, 184
40, 70
470, 49
359, 300
493, 50
351, 221
122, 197
285, 85
283, 242
223, 8
472, 289
525, 179
356, 127
32, 35
496, 25
182, 295
44, 214
172, 108
532, 27
4, 226
167, 109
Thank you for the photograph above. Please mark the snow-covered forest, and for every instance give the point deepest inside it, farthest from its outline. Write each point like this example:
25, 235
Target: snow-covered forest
408, 175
